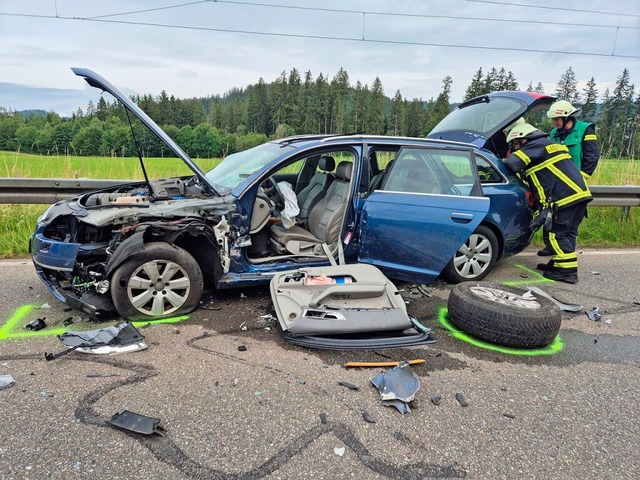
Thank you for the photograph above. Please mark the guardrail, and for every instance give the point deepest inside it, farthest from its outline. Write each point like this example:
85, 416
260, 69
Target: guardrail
50, 190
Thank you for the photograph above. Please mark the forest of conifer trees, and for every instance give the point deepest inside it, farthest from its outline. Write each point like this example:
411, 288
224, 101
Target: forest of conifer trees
293, 104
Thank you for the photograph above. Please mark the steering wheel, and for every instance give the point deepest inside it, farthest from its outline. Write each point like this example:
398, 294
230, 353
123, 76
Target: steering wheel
270, 188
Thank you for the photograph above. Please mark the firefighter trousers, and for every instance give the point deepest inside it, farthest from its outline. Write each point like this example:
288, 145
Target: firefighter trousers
561, 239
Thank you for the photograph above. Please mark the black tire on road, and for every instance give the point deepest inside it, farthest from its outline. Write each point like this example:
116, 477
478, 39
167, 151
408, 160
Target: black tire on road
500, 315
161, 281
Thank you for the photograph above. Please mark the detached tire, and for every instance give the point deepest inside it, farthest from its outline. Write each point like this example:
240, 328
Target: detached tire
161, 281
500, 315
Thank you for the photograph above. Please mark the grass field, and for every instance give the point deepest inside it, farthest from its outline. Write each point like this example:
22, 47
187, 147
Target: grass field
605, 226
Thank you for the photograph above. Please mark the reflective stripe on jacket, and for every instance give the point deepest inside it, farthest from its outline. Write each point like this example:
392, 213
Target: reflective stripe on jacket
553, 177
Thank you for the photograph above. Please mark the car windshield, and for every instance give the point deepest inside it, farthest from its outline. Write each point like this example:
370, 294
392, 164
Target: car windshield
236, 168
483, 117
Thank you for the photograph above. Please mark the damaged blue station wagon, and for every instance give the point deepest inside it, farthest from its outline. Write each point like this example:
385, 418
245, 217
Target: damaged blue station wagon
412, 207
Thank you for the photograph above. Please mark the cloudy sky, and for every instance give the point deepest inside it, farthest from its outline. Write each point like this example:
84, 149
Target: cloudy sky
199, 48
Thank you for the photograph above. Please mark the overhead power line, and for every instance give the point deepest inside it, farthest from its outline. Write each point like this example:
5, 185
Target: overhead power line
318, 37
167, 7
367, 12
556, 8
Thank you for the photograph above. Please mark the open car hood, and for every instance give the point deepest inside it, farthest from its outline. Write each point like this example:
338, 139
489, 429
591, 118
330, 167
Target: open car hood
97, 81
343, 307
481, 120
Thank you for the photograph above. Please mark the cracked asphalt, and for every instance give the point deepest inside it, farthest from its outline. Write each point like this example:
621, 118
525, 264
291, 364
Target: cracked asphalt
232, 414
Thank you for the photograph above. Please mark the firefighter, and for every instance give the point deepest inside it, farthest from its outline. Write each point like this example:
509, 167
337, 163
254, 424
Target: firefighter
559, 191
579, 137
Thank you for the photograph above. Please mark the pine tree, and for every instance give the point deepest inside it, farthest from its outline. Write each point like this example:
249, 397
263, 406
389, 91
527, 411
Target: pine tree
589, 107
567, 87
375, 115
476, 87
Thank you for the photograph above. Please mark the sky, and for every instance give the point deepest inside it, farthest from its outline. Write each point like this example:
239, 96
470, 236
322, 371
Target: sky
193, 48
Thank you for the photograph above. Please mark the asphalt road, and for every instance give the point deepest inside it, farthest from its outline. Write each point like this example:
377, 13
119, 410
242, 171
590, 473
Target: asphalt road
232, 414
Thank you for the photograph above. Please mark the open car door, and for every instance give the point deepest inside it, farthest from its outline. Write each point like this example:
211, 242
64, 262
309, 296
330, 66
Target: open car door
429, 204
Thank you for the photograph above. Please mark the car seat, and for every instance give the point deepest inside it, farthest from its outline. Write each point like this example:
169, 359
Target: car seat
317, 188
325, 220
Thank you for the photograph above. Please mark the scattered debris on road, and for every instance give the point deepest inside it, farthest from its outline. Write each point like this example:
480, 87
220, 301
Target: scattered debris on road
461, 400
121, 338
6, 381
37, 324
397, 387
383, 364
367, 417
350, 386
137, 423
594, 314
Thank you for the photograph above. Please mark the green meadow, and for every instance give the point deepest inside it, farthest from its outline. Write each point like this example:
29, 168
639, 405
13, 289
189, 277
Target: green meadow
605, 226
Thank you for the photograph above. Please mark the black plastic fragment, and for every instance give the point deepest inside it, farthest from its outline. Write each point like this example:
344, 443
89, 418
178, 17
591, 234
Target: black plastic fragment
37, 324
436, 399
367, 417
242, 348
137, 423
350, 386
509, 415
461, 400
323, 418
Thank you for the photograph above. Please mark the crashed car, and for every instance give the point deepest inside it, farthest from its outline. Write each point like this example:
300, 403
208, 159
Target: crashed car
406, 205
480, 121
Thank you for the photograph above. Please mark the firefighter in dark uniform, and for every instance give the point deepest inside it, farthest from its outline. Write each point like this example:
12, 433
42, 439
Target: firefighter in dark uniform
579, 137
560, 192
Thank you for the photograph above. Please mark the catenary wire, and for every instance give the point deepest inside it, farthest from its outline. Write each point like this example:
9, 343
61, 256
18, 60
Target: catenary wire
319, 37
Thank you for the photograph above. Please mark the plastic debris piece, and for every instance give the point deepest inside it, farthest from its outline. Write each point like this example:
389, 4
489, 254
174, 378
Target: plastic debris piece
566, 307
461, 400
436, 399
121, 338
242, 295
509, 415
6, 381
595, 272
398, 383
383, 364
235, 382
242, 348
350, 386
424, 290
367, 417
323, 418
101, 375
594, 314
339, 451
607, 321
399, 405
137, 423
37, 324
45, 306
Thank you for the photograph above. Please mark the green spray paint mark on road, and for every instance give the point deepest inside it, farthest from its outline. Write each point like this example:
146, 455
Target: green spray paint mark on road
9, 331
537, 278
554, 347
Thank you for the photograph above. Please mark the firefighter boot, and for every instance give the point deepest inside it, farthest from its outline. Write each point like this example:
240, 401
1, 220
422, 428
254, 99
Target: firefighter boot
545, 252
543, 267
567, 275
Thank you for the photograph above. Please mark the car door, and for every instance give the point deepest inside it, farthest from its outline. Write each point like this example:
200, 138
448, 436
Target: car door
429, 203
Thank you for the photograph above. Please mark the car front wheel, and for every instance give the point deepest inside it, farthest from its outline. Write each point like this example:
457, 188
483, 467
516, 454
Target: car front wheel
474, 259
161, 281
